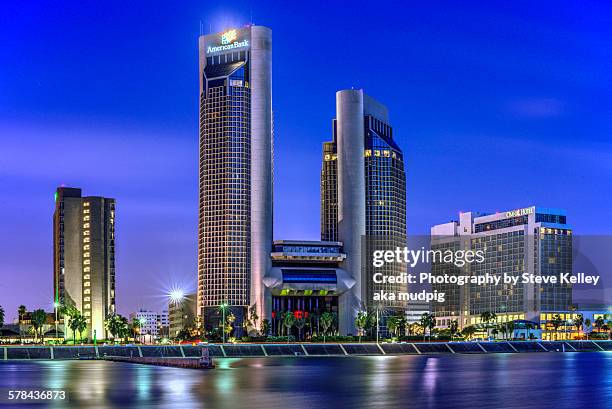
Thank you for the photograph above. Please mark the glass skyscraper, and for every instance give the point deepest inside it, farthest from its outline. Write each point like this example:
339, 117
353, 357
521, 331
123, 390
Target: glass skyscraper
363, 199
235, 212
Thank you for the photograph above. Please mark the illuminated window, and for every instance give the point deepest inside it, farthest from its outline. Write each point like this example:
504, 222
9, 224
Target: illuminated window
86, 218
87, 284
86, 247
86, 277
86, 269
87, 262
87, 299
87, 291
85, 204
87, 306
86, 240
367, 153
86, 254
86, 225
85, 211
87, 314
86, 233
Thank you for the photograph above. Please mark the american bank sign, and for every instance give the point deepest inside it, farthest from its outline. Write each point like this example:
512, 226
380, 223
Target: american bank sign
229, 41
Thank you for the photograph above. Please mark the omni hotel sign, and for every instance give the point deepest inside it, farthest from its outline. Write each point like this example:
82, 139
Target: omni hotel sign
229, 41
521, 212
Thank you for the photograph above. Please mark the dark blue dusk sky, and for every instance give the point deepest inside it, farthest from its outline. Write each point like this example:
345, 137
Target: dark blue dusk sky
495, 107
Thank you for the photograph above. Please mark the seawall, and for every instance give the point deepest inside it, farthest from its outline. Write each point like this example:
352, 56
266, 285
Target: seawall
10, 353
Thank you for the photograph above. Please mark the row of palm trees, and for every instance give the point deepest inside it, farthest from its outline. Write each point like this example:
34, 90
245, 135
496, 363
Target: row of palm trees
38, 319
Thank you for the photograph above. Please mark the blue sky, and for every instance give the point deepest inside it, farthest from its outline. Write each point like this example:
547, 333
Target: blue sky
496, 106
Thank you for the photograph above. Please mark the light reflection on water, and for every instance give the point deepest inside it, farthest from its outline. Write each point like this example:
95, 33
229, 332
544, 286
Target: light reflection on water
535, 380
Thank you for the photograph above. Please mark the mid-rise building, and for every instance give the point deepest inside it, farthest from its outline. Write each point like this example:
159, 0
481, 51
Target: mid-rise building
363, 200
235, 212
533, 240
84, 256
163, 323
147, 321
182, 314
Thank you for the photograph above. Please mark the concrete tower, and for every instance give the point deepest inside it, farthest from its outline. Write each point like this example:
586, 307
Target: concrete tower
84, 256
363, 198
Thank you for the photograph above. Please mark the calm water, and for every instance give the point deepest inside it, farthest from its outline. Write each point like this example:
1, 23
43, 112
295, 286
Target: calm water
539, 380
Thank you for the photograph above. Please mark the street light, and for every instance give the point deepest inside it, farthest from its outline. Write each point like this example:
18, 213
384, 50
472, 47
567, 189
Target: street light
223, 307
56, 306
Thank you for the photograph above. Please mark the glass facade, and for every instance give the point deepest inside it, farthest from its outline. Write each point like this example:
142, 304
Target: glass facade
385, 207
532, 244
225, 182
329, 192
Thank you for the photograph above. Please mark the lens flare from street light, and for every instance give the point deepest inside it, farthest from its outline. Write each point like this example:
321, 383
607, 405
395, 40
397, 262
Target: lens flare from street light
176, 295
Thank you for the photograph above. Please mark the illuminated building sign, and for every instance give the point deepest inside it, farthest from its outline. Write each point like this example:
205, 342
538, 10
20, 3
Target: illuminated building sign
229, 37
521, 212
229, 41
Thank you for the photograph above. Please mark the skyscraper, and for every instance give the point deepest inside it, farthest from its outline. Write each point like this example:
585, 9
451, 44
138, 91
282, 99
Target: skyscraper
236, 132
84, 256
363, 198
532, 240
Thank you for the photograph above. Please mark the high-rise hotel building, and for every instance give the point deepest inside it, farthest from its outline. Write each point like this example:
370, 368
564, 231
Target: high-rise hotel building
363, 199
84, 256
236, 132
532, 240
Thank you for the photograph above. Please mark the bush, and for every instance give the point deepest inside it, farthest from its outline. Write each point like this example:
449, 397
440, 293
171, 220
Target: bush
273, 338
335, 338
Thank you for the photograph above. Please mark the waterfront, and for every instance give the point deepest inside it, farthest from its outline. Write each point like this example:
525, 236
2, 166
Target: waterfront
436, 381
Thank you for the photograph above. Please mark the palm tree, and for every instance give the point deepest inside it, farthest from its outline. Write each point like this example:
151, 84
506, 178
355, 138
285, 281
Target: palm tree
135, 327
486, 317
428, 322
299, 324
578, 322
361, 322
326, 321
39, 317
73, 323
556, 322
587, 325
599, 323
510, 328
116, 325
393, 324
453, 327
265, 327
20, 313
288, 321
81, 326
468, 331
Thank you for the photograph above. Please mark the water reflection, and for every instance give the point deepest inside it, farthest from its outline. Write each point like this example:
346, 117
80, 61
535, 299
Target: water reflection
458, 381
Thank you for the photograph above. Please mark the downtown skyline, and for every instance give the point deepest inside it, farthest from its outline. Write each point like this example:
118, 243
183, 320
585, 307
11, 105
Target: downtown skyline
157, 192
